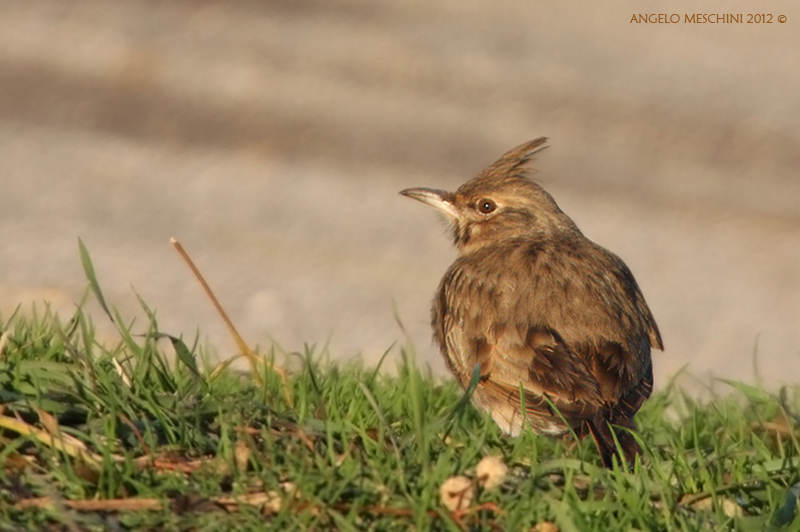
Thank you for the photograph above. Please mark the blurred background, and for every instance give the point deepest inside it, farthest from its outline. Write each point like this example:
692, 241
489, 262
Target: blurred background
271, 137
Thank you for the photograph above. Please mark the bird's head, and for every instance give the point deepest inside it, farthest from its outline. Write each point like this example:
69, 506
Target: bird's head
501, 204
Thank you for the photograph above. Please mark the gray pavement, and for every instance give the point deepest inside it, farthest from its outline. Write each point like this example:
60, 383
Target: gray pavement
272, 137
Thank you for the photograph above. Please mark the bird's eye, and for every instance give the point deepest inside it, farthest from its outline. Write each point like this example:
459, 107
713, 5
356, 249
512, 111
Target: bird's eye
486, 206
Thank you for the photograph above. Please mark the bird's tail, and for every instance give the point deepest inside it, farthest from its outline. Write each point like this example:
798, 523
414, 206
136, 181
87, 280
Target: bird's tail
603, 428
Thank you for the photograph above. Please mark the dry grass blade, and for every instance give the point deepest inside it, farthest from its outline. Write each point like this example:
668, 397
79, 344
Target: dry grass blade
271, 500
243, 347
4, 340
59, 442
93, 505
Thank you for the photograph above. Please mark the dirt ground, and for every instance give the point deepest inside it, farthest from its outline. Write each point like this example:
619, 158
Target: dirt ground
272, 137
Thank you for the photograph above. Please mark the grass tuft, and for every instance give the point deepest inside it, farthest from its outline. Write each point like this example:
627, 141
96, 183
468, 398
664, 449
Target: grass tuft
148, 434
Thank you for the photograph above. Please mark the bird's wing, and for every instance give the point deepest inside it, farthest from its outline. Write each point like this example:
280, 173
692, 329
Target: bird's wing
534, 366
627, 285
617, 336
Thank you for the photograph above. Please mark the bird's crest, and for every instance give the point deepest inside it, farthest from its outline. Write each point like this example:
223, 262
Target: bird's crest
512, 163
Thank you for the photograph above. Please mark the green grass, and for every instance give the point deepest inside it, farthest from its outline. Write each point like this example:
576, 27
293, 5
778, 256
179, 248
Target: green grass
87, 428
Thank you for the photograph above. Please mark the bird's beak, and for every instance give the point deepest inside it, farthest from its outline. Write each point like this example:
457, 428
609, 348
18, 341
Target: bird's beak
440, 199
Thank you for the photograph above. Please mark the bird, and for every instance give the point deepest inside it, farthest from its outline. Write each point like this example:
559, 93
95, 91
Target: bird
556, 324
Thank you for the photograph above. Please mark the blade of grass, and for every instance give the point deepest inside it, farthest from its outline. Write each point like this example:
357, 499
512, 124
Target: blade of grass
753, 393
88, 269
374, 373
463, 402
786, 513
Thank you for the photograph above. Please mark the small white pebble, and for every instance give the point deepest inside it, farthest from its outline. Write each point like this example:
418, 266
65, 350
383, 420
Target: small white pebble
731, 509
456, 493
491, 472
272, 503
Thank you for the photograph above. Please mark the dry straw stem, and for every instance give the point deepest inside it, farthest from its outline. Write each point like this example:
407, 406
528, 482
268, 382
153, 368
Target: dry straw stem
4, 340
93, 505
270, 501
52, 436
244, 349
